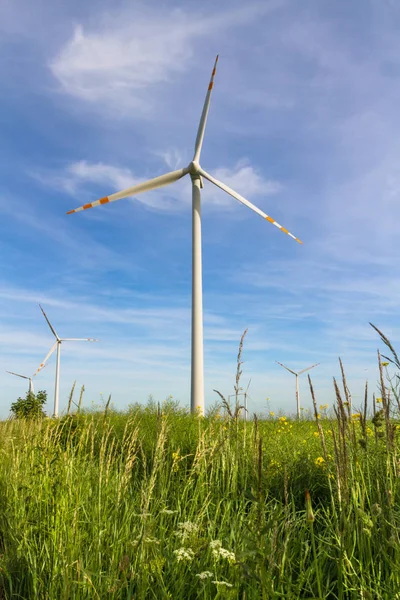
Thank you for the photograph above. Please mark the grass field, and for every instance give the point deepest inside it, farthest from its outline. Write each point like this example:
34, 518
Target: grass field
156, 503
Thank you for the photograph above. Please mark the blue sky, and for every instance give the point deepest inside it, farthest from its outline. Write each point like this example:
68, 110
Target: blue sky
304, 122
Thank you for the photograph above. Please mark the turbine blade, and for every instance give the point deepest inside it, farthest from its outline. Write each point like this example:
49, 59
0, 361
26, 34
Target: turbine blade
204, 114
146, 186
308, 368
287, 368
43, 364
79, 340
49, 324
228, 190
17, 375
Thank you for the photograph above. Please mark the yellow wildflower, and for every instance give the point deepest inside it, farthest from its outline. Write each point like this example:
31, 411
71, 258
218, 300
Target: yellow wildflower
379, 400
316, 433
356, 415
176, 457
319, 461
271, 414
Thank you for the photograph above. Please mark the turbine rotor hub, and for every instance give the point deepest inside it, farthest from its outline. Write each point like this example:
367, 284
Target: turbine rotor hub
194, 168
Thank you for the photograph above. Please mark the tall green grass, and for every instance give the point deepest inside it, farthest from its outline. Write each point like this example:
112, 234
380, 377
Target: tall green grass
155, 503
147, 504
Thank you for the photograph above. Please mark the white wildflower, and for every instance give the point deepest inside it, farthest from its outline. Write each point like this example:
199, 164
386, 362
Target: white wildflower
219, 552
184, 554
225, 583
230, 556
204, 575
150, 540
186, 529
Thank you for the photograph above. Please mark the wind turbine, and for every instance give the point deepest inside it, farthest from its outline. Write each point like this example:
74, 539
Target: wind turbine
31, 390
197, 173
57, 344
297, 382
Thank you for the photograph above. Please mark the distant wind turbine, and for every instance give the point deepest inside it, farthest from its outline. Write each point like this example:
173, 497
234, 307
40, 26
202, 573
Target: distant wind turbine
57, 344
31, 390
196, 173
297, 382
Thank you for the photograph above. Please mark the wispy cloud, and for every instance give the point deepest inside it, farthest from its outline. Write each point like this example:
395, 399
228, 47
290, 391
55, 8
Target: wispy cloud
116, 62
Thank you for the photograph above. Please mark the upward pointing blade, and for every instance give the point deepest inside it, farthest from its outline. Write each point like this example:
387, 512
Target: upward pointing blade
18, 375
234, 194
146, 186
308, 368
204, 114
287, 368
49, 324
43, 364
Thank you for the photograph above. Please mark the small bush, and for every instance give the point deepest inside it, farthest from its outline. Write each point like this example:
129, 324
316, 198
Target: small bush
30, 407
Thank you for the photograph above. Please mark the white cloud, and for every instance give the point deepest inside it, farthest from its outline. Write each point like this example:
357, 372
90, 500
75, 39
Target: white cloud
242, 178
116, 62
97, 65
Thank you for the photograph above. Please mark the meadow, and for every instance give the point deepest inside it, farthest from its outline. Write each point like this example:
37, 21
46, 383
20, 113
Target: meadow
155, 503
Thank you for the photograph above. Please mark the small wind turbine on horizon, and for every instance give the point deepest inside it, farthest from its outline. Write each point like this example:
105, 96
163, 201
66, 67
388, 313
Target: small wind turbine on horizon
57, 344
197, 173
297, 382
30, 389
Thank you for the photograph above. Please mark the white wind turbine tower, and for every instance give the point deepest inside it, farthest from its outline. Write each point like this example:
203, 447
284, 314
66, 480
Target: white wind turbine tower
31, 390
196, 173
297, 382
57, 344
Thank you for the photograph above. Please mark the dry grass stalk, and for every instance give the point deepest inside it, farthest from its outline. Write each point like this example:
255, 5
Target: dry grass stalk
80, 398
386, 405
320, 429
342, 416
71, 395
387, 343
337, 465
234, 414
342, 452
239, 363
345, 388
363, 418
